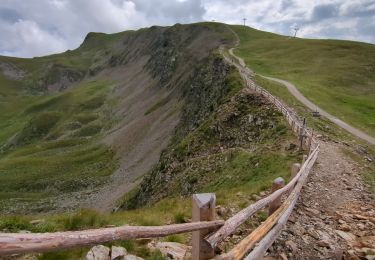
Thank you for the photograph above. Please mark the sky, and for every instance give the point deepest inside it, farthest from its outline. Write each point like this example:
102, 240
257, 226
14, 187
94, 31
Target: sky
31, 28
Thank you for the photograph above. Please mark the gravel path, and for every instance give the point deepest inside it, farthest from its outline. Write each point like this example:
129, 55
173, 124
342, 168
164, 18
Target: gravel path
297, 94
335, 215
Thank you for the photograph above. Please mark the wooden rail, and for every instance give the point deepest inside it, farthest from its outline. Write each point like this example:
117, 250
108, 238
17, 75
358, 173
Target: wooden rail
240, 250
16, 243
234, 222
304, 134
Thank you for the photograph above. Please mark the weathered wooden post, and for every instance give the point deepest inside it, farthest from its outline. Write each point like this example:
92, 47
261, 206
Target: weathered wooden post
304, 157
278, 183
203, 210
295, 169
301, 134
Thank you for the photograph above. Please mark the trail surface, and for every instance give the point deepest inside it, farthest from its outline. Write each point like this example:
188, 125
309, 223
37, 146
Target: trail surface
298, 95
334, 217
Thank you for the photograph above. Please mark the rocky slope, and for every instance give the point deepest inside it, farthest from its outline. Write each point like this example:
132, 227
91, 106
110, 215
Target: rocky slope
128, 93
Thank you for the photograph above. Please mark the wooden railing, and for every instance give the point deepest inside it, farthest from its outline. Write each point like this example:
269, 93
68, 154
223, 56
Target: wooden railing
207, 232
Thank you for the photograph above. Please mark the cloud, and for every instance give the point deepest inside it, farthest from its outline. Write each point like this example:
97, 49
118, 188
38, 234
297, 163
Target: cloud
39, 27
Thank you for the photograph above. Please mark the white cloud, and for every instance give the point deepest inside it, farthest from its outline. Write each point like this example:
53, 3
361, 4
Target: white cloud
39, 27
25, 39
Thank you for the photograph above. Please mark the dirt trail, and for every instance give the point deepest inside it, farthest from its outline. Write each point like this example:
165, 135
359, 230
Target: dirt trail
335, 215
297, 94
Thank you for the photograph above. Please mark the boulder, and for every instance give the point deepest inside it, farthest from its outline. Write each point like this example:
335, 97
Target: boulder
132, 257
118, 253
98, 252
172, 250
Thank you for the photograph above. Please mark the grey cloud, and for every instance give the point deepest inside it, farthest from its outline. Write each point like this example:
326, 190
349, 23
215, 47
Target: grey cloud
325, 11
39, 27
9, 15
179, 11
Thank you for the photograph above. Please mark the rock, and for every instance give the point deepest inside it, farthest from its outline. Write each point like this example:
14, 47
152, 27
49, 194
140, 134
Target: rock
361, 226
313, 234
348, 237
171, 250
367, 241
344, 227
283, 256
221, 211
338, 254
360, 217
132, 257
36, 221
118, 253
313, 211
255, 197
98, 252
323, 243
291, 245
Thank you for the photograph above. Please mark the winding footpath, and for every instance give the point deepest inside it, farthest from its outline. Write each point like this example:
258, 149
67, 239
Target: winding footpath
335, 214
298, 95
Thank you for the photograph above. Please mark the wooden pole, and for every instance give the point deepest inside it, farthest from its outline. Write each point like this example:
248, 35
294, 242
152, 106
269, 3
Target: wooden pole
304, 157
301, 134
203, 209
232, 223
277, 184
19, 243
295, 169
240, 250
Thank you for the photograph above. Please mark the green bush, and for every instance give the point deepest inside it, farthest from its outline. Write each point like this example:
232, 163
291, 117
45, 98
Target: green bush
38, 126
93, 103
84, 219
86, 118
90, 130
179, 217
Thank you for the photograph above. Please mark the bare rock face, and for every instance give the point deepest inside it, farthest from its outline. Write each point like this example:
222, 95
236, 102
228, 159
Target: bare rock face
98, 252
11, 71
172, 250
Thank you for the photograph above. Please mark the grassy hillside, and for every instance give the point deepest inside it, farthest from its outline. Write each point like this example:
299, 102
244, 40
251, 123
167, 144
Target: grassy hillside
337, 75
161, 92
73, 122
49, 146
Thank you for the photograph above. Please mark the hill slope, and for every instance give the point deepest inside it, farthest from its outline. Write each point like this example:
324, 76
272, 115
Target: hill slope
85, 124
339, 76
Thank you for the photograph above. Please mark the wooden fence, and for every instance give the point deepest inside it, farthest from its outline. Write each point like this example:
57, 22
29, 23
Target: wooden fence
207, 232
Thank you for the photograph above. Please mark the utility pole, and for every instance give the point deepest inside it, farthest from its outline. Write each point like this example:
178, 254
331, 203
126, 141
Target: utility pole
244, 21
295, 31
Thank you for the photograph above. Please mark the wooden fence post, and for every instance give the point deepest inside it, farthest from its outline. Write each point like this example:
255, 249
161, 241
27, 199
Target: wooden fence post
301, 134
295, 169
278, 183
304, 157
203, 210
